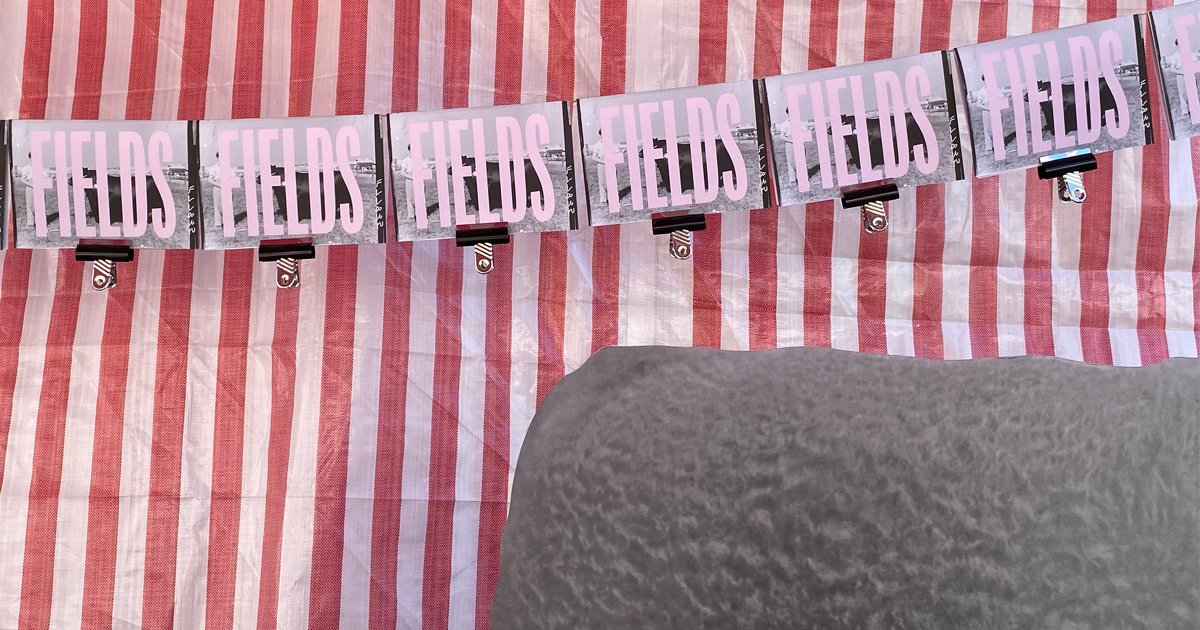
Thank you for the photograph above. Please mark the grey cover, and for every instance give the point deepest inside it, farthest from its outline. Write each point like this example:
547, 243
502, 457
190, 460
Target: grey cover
807, 488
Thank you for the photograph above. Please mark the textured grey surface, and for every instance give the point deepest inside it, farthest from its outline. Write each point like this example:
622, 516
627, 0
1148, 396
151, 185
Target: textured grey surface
807, 488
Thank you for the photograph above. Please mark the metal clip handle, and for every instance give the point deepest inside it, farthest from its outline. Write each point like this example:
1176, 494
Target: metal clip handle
485, 258
1070, 187
681, 244
104, 274
874, 217
287, 273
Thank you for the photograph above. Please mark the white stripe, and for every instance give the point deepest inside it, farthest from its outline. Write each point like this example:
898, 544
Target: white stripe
221, 59
136, 440
481, 88
195, 482
1072, 13
843, 303
381, 27
740, 40
906, 28
790, 260
256, 432
1068, 343
1010, 275
956, 272
12, 33
587, 48
535, 53
364, 421
735, 280
64, 60
414, 510
18, 460
964, 24
277, 58
902, 244
70, 542
468, 468
168, 69
522, 401
1020, 17
794, 45
325, 66
1181, 250
295, 564
662, 45
118, 48
1122, 256
431, 57
851, 35
577, 329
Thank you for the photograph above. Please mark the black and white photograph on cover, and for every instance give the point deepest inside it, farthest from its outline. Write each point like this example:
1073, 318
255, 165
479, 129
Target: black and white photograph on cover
732, 124
929, 132
345, 146
1103, 99
5, 183
542, 176
1177, 48
71, 200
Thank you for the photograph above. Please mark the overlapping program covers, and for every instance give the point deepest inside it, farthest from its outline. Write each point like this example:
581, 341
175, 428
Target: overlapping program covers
60, 198
1177, 51
317, 180
521, 154
695, 150
1038, 95
892, 120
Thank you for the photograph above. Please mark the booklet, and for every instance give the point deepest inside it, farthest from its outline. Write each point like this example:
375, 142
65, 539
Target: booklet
453, 169
315, 180
1047, 93
106, 181
5, 182
695, 150
892, 121
1176, 37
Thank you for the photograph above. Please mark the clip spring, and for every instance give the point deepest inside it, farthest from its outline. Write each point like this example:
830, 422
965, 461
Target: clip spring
104, 274
874, 217
681, 244
485, 257
1070, 187
287, 273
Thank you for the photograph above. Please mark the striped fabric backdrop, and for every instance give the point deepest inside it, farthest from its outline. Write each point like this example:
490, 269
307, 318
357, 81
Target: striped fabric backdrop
197, 449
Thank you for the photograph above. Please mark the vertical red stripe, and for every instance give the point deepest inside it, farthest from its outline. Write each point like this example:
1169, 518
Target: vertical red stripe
706, 255
873, 248
89, 68
818, 217
763, 264
552, 311
41, 527
143, 60
228, 432
35, 78
197, 43
333, 438
606, 240
456, 64
443, 439
930, 237
510, 54
304, 54
1151, 265
14, 293
818, 272
279, 442
389, 443
1040, 197
166, 445
352, 59
985, 256
104, 497
993, 20
493, 506
406, 48
1095, 234
248, 59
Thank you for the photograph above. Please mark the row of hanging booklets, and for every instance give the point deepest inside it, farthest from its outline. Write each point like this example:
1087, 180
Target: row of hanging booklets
857, 133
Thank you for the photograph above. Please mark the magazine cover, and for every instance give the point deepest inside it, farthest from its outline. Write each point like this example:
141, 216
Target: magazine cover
436, 170
59, 199
697, 150
829, 127
1176, 37
257, 184
1022, 98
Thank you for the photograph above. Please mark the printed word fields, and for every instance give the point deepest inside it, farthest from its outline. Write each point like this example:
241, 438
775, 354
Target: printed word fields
519, 150
1069, 106
140, 174
899, 117
693, 164
329, 183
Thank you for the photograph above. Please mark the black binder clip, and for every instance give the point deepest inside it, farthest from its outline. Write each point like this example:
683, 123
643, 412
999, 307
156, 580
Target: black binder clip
870, 199
483, 236
104, 258
286, 256
1068, 169
680, 226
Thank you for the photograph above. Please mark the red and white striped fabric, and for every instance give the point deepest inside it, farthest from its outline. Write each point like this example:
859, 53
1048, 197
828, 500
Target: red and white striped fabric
195, 448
